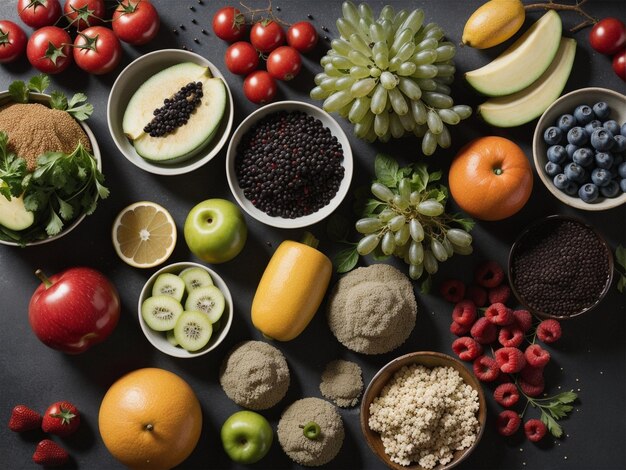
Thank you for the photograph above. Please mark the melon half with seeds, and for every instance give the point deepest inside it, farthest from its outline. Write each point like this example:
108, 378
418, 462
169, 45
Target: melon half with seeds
184, 141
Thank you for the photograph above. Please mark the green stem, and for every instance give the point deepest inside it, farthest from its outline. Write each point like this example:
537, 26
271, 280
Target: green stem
311, 430
309, 239
42, 276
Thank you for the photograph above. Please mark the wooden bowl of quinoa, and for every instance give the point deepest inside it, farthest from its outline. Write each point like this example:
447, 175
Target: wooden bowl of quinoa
388, 397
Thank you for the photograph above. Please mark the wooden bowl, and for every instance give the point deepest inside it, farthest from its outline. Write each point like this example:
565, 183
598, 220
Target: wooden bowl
427, 359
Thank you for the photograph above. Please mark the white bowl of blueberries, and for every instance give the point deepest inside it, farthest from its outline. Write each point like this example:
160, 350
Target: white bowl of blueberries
579, 148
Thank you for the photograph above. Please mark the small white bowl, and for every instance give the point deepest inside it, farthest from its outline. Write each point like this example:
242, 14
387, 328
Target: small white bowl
127, 83
157, 338
42, 98
335, 130
566, 105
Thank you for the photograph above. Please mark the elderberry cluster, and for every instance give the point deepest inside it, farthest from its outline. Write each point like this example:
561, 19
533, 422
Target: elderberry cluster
175, 111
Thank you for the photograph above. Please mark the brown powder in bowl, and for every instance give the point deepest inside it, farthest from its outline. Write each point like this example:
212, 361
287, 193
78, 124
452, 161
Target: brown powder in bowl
35, 129
342, 383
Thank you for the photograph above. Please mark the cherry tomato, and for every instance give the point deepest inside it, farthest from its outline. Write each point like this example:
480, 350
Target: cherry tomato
84, 13
136, 22
49, 49
241, 58
38, 13
229, 24
12, 41
302, 36
267, 35
619, 64
259, 87
608, 36
284, 63
97, 50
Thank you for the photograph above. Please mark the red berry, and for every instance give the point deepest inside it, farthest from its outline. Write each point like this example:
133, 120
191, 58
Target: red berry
506, 394
24, 419
523, 319
484, 331
458, 329
532, 390
489, 274
510, 360
535, 430
466, 348
532, 375
499, 314
464, 313
476, 294
510, 337
536, 356
50, 454
486, 369
508, 422
549, 331
452, 290
499, 294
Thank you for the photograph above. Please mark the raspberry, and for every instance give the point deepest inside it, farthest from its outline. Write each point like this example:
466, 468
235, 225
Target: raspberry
476, 294
523, 319
506, 394
535, 430
464, 313
489, 274
549, 331
536, 356
532, 390
510, 337
486, 369
510, 360
499, 294
458, 329
508, 422
484, 331
499, 314
466, 348
532, 375
452, 290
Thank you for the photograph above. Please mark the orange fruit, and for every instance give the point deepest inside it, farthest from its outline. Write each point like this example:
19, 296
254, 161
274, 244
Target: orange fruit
491, 178
150, 419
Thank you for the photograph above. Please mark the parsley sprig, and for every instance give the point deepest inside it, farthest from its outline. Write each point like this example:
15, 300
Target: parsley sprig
552, 409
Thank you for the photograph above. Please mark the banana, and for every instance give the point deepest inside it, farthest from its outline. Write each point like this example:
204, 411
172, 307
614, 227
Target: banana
493, 23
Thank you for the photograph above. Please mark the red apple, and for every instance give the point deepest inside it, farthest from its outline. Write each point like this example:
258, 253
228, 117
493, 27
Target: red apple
73, 310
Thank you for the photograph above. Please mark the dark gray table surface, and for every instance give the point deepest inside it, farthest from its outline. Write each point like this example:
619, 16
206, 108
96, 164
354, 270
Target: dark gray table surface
590, 357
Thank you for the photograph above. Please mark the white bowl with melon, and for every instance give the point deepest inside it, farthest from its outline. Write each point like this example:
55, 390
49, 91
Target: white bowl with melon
142, 87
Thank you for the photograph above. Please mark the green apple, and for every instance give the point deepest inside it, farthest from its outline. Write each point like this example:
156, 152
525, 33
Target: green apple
246, 437
215, 230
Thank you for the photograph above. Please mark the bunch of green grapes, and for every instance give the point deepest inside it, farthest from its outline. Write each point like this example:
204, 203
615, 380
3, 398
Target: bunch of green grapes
413, 226
390, 76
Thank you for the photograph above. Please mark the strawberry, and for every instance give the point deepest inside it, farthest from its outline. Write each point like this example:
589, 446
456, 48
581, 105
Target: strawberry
61, 418
50, 454
24, 419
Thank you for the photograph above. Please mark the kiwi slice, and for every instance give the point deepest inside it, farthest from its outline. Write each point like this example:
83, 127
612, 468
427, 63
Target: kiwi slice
169, 336
193, 331
169, 284
161, 312
209, 300
194, 278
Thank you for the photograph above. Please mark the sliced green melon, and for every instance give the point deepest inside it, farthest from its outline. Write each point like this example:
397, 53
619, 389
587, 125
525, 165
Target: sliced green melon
188, 139
528, 104
13, 214
522, 63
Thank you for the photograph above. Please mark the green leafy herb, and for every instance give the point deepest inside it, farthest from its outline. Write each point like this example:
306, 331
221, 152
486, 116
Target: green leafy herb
553, 409
19, 91
620, 258
386, 169
78, 107
58, 100
39, 83
13, 171
346, 259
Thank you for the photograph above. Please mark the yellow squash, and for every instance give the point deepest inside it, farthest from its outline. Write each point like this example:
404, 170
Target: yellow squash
493, 23
291, 289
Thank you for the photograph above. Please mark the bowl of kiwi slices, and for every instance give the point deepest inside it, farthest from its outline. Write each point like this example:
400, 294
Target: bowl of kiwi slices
185, 310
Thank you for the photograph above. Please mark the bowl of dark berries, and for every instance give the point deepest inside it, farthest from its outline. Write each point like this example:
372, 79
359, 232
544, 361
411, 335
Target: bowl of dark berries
560, 267
579, 149
289, 164
170, 112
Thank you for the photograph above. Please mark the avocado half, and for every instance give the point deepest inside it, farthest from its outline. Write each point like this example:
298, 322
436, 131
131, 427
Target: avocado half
187, 140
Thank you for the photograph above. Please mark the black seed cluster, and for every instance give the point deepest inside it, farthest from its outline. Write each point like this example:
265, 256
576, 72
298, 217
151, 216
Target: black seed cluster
289, 165
561, 268
175, 111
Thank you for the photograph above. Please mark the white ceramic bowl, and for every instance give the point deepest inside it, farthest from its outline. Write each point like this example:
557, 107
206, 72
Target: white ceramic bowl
5, 98
157, 338
566, 105
335, 130
127, 83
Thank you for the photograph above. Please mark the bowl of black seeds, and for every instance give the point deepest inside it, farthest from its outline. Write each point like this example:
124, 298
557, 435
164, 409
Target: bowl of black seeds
560, 267
289, 164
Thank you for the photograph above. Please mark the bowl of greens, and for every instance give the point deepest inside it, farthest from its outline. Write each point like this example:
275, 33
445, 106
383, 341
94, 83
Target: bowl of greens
50, 163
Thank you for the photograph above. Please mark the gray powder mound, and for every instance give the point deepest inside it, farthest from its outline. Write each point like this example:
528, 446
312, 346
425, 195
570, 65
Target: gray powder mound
342, 383
255, 375
372, 310
301, 449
